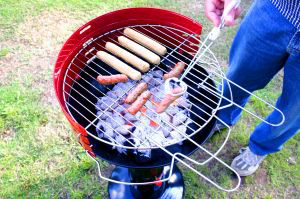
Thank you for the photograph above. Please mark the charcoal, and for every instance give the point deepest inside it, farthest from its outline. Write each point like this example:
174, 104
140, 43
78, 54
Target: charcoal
172, 110
99, 129
145, 121
157, 73
125, 106
166, 130
105, 114
130, 117
107, 102
119, 92
181, 129
112, 94
119, 109
98, 104
165, 117
183, 102
176, 136
123, 86
116, 120
109, 133
179, 118
143, 150
157, 139
104, 127
158, 81
124, 129
147, 77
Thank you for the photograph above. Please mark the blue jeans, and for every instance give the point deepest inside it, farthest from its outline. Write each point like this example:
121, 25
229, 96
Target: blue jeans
265, 43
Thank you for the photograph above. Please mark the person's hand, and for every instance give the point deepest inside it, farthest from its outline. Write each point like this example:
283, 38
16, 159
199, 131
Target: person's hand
214, 10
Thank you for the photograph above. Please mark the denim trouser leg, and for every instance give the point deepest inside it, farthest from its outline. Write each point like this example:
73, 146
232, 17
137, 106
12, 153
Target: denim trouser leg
258, 52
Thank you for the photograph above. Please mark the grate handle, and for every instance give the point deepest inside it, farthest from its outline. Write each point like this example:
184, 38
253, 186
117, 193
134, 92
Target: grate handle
130, 183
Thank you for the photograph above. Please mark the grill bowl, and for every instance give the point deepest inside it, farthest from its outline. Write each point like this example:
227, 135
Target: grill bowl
74, 55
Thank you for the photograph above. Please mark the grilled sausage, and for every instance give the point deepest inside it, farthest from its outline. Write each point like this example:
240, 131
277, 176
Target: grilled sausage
168, 100
119, 65
146, 41
112, 79
133, 95
127, 56
139, 102
139, 50
176, 71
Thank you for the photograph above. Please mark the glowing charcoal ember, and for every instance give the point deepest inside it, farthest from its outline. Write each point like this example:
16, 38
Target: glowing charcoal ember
179, 118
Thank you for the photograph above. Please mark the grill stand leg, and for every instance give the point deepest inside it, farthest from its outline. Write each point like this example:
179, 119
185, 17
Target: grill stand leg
172, 189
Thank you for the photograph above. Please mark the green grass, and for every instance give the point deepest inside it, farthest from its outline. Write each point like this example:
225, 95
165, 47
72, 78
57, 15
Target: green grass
40, 158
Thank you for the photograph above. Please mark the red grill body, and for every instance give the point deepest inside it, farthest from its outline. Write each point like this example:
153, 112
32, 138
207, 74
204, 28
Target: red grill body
102, 25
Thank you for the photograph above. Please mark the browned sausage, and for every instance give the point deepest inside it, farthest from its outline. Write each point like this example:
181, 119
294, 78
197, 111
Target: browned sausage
133, 95
112, 79
119, 65
168, 100
139, 102
145, 41
176, 71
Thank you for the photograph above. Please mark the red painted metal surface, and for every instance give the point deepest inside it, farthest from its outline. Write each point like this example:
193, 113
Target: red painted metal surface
104, 24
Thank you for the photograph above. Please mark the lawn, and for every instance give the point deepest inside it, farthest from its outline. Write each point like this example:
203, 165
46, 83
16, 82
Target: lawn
39, 156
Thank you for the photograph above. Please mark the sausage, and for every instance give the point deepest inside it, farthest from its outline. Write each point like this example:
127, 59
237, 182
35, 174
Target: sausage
146, 41
112, 79
127, 56
139, 50
119, 65
139, 102
133, 95
176, 71
168, 100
